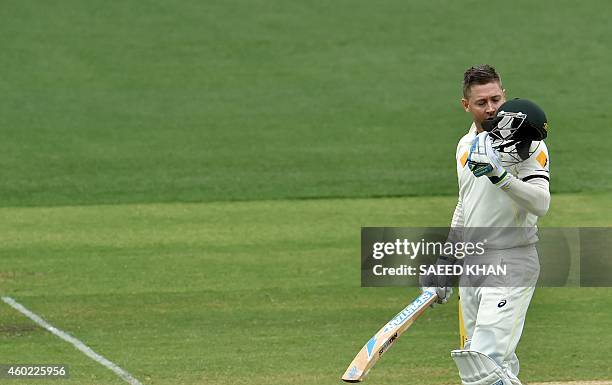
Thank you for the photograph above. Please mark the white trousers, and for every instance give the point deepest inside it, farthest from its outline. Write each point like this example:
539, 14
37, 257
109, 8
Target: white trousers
494, 316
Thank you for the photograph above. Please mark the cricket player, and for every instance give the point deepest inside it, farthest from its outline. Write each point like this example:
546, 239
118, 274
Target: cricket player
503, 175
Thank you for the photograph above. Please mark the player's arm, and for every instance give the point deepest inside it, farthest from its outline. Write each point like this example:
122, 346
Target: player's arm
530, 191
441, 283
532, 195
458, 220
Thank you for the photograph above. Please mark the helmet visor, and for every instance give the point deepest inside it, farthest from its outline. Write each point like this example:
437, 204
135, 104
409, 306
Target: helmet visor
504, 125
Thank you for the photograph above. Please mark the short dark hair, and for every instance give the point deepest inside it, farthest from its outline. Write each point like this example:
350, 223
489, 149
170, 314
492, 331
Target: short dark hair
479, 74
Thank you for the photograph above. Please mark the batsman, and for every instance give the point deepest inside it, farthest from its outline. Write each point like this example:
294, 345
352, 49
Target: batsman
503, 174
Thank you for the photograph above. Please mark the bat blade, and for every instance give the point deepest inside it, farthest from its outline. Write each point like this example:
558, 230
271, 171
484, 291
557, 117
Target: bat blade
386, 336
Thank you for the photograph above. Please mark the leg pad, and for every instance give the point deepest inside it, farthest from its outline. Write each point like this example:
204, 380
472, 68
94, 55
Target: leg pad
476, 368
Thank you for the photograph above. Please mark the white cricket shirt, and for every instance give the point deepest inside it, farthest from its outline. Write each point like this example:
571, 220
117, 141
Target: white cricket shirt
482, 204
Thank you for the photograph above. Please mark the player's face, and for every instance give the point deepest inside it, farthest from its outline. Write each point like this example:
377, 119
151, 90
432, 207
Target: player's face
483, 101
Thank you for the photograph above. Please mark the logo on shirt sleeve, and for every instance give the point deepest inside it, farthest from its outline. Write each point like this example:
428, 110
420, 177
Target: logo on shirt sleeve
463, 159
542, 159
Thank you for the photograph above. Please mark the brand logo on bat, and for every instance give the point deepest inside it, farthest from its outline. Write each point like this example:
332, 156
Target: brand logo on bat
408, 311
386, 345
353, 372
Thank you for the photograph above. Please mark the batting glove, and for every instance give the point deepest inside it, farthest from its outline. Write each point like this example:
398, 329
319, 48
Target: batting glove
440, 283
484, 160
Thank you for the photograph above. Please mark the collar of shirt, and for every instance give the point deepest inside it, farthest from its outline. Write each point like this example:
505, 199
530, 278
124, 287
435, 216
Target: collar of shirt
472, 129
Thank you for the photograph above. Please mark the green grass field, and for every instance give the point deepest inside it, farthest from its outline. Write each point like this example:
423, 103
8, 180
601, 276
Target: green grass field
243, 100
256, 293
183, 185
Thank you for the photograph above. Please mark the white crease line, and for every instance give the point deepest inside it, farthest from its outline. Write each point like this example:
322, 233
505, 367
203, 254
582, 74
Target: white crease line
70, 339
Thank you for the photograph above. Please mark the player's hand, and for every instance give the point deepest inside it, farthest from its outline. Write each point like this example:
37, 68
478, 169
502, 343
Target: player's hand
484, 160
443, 293
442, 284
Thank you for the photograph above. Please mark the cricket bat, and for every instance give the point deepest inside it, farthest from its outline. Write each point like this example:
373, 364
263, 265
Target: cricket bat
386, 336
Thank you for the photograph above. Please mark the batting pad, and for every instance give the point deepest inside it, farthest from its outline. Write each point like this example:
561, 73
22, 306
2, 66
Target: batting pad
476, 368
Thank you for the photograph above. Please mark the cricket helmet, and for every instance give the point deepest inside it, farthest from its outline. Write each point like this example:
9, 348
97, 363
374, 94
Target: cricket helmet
517, 123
